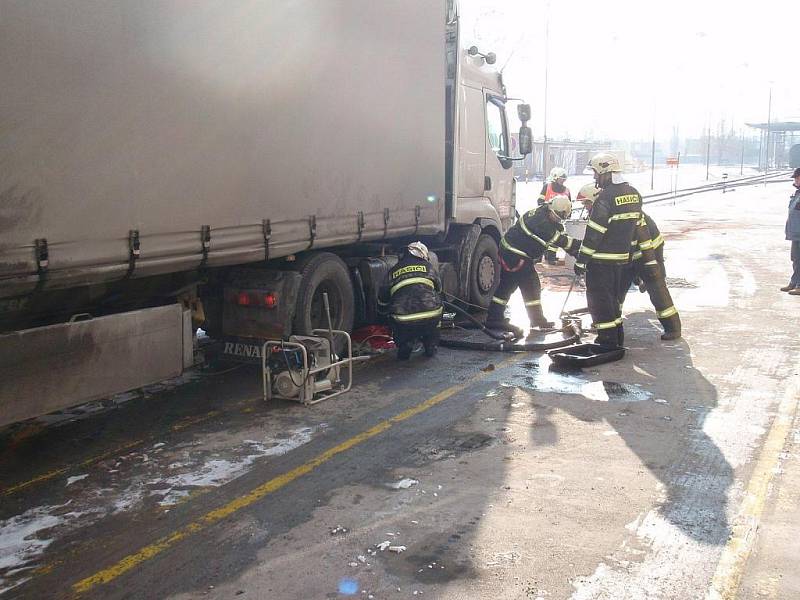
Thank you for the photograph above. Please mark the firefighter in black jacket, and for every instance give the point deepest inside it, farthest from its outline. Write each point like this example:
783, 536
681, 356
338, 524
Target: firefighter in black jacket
653, 275
522, 246
614, 227
415, 306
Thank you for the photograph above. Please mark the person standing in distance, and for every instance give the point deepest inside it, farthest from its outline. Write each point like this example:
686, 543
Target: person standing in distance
415, 304
554, 186
605, 253
793, 234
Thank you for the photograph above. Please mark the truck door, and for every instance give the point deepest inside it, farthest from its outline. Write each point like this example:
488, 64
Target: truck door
498, 176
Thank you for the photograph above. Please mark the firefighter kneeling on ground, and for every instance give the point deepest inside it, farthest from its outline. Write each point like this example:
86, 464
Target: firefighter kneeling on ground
522, 246
415, 304
614, 227
654, 279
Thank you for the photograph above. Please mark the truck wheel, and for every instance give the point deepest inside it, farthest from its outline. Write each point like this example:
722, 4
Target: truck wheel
484, 271
324, 273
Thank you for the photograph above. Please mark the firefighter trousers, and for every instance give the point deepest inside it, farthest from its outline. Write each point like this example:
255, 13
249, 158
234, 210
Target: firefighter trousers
656, 286
406, 334
605, 293
517, 272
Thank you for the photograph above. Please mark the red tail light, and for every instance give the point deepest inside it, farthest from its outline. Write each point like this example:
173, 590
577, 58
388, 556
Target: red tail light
270, 300
243, 299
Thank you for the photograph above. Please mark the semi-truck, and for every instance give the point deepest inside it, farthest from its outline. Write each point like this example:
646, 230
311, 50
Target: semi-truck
223, 165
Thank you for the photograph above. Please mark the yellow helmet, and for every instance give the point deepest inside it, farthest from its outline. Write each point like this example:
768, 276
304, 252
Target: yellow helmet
605, 163
419, 250
588, 193
561, 205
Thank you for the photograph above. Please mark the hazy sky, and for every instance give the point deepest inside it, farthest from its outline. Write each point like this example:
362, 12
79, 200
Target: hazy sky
613, 64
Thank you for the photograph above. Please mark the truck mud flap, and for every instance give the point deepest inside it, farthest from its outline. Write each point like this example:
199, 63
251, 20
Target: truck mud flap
51, 368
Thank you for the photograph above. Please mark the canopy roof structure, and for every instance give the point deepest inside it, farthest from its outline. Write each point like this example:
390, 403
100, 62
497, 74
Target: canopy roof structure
782, 126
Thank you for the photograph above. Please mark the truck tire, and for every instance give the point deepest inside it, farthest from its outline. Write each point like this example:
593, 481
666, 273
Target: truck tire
484, 271
324, 272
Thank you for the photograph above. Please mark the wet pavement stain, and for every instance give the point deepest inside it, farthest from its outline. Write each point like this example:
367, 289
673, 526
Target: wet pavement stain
436, 559
544, 380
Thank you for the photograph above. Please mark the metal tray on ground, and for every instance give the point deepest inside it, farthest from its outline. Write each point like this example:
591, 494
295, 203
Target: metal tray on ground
585, 355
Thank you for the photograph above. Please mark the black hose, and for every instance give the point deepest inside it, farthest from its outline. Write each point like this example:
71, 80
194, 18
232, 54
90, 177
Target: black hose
509, 345
481, 326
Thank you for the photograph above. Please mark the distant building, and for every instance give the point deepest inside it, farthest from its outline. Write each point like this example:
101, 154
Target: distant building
572, 156
781, 150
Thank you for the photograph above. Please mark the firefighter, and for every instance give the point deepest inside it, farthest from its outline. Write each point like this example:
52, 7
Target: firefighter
653, 277
554, 186
613, 226
415, 304
586, 196
521, 247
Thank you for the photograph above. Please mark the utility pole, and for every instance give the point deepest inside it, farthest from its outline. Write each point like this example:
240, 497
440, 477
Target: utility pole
741, 165
545, 149
653, 152
708, 149
769, 126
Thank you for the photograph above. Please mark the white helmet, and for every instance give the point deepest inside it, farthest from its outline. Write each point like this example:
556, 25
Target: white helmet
605, 163
588, 193
419, 250
561, 205
557, 173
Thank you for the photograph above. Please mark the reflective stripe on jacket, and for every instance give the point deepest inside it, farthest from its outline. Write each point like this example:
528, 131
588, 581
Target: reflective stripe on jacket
533, 232
414, 288
613, 226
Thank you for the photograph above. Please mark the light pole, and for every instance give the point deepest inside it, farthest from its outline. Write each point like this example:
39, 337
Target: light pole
653, 152
741, 165
769, 126
545, 149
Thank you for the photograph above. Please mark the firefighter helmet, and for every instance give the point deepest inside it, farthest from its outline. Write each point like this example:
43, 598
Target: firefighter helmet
588, 193
605, 163
557, 173
419, 250
561, 205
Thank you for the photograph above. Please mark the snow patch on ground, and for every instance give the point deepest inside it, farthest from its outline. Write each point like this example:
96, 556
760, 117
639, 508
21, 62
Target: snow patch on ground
71, 480
25, 537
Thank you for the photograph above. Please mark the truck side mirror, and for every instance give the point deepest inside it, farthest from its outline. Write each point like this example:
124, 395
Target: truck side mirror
524, 112
525, 140
490, 58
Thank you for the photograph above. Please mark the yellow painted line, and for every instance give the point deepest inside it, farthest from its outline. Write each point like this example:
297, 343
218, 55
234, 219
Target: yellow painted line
56, 472
152, 550
97, 458
730, 569
188, 422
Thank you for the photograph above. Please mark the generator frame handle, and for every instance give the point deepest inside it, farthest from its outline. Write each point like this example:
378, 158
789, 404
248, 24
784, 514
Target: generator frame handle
306, 395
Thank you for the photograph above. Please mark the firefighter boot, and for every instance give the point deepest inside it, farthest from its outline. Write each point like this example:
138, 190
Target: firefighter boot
607, 337
672, 327
537, 318
404, 350
431, 343
496, 320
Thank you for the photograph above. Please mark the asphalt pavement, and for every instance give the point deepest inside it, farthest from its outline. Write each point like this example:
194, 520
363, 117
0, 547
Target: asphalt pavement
670, 474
